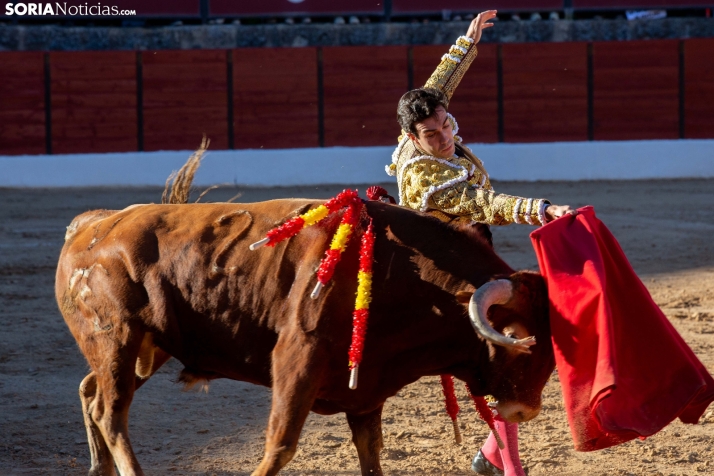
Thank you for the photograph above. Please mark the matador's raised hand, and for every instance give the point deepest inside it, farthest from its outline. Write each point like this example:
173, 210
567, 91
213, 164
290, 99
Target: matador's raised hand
479, 23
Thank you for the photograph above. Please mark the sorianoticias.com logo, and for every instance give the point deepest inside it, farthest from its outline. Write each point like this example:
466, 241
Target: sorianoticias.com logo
62, 9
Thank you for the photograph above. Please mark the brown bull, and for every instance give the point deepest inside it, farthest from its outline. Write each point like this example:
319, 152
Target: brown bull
150, 282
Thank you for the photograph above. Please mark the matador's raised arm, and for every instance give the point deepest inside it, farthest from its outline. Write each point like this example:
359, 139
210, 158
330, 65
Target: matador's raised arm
453, 66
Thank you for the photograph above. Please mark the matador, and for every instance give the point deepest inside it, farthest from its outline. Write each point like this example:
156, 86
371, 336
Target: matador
438, 174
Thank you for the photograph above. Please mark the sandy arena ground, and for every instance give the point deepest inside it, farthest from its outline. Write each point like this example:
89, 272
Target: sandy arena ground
665, 227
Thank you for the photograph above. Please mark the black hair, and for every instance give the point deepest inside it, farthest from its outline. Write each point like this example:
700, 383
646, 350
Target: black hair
418, 105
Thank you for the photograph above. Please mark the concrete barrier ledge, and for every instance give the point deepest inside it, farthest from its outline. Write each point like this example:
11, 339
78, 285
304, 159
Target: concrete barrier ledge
567, 161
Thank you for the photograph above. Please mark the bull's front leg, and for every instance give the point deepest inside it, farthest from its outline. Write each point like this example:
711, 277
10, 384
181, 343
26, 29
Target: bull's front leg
367, 437
297, 371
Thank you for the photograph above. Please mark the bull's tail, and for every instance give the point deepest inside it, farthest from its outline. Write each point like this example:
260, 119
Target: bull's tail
178, 184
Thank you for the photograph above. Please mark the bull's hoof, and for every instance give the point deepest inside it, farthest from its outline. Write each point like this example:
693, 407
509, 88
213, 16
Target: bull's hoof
480, 465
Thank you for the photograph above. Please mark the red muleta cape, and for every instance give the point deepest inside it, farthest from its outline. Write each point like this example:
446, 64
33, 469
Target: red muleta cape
624, 369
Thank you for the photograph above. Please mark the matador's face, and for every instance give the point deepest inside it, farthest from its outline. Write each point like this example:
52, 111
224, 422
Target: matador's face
435, 136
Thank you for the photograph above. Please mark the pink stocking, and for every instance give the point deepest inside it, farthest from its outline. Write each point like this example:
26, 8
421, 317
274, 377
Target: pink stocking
509, 455
491, 452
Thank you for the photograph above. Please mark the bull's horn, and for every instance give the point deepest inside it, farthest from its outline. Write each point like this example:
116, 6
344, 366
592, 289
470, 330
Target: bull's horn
494, 292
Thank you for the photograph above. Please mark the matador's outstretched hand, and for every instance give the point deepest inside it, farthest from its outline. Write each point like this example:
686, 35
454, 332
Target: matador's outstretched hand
556, 211
479, 23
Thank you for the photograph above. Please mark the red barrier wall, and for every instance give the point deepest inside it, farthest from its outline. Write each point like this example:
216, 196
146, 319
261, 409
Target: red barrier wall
93, 101
22, 103
699, 88
185, 96
362, 86
623, 4
475, 102
472, 6
275, 98
636, 95
636, 90
545, 96
286, 7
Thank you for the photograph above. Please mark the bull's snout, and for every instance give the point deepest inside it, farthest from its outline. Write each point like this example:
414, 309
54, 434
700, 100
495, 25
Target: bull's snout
517, 412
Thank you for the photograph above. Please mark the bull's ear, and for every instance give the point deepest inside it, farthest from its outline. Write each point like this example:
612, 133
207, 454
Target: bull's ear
464, 296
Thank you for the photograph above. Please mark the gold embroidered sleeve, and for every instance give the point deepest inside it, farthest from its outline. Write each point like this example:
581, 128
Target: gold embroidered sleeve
487, 206
453, 66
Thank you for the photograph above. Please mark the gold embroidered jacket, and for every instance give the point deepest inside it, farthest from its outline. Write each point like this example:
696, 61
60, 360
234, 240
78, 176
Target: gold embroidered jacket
456, 189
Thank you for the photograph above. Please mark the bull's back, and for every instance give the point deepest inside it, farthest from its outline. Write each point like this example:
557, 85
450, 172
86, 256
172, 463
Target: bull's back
171, 227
